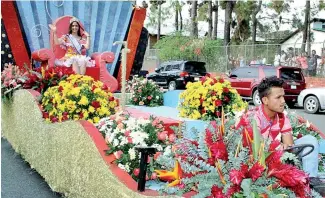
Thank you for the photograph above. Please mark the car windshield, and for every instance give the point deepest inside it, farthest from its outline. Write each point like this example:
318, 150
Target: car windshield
290, 74
196, 67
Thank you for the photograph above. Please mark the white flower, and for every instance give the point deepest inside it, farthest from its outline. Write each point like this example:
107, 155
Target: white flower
307, 124
157, 97
115, 142
168, 151
127, 167
158, 147
121, 166
132, 154
124, 140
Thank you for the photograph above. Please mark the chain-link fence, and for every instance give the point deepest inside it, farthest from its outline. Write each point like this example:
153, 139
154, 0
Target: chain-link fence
224, 58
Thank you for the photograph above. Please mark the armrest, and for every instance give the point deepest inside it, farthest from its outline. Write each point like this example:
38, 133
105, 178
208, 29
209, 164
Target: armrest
107, 57
44, 55
101, 59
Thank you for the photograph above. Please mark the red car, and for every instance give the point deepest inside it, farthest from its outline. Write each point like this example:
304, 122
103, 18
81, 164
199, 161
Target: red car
246, 80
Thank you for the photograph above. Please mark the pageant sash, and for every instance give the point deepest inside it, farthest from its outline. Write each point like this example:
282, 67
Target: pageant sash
75, 43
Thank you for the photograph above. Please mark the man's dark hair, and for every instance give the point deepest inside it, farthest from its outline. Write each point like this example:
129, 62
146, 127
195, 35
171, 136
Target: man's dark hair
266, 84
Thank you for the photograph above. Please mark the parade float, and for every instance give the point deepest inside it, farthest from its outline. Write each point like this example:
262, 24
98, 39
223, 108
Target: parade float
85, 142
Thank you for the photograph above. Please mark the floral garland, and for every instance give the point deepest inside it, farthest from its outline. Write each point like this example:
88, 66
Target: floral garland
206, 99
12, 78
123, 133
144, 92
78, 97
229, 169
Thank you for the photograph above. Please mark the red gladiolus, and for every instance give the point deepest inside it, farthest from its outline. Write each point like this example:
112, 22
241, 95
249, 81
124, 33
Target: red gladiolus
225, 90
256, 171
236, 176
95, 104
218, 103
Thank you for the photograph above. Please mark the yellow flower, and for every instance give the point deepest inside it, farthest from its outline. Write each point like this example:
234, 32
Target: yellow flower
83, 100
91, 109
96, 119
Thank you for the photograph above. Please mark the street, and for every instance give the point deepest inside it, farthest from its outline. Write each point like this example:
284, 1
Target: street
19, 180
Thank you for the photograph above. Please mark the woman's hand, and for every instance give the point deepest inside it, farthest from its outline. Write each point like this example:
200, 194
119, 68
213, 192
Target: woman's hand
52, 27
86, 34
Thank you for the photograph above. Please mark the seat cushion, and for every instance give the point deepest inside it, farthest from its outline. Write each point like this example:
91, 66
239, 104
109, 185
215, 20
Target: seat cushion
90, 71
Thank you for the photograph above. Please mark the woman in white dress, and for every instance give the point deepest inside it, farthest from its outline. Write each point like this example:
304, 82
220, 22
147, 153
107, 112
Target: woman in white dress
74, 43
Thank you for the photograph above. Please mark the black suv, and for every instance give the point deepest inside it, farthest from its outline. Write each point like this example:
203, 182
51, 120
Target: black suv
176, 74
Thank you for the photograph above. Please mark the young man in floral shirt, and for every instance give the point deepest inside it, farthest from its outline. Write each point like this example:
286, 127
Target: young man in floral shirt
275, 125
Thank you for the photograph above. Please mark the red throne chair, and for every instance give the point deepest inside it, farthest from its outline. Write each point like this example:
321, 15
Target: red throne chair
48, 56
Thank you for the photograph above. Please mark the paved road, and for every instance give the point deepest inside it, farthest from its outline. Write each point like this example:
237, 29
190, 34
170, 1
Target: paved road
18, 180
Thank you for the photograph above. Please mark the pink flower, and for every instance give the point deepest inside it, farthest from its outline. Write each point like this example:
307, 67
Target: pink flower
118, 154
155, 122
172, 137
120, 126
127, 133
135, 99
162, 136
136, 172
236, 176
139, 90
130, 140
149, 97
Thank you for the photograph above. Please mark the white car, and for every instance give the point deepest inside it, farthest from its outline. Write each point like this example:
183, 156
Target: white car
312, 99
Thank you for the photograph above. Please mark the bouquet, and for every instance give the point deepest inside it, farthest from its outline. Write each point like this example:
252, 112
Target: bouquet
229, 169
40, 79
123, 133
12, 79
206, 99
145, 92
78, 97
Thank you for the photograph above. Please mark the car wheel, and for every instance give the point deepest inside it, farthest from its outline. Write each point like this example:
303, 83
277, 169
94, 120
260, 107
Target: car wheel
311, 104
256, 98
171, 85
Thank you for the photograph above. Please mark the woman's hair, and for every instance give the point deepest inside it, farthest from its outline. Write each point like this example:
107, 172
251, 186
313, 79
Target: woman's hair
70, 28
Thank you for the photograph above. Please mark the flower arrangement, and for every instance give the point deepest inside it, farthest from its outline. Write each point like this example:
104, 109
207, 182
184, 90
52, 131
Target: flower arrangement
123, 133
145, 92
206, 98
12, 79
229, 169
78, 97
42, 78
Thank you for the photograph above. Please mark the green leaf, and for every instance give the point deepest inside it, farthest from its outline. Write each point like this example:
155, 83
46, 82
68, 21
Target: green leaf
246, 186
256, 140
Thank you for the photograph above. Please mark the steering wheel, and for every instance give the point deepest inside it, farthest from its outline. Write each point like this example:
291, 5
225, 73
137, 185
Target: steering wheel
297, 149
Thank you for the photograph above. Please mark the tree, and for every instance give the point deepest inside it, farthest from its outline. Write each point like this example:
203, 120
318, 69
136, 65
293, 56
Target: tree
306, 26
177, 5
156, 15
228, 6
243, 11
215, 20
194, 28
254, 20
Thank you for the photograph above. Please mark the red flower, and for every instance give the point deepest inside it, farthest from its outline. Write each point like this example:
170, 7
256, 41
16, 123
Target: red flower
217, 113
203, 79
201, 100
218, 103
45, 115
95, 104
299, 136
60, 89
65, 113
232, 190
216, 192
203, 111
54, 119
256, 171
93, 87
104, 87
236, 176
274, 157
221, 80
226, 99
244, 169
213, 93
225, 90
219, 151
81, 115
111, 98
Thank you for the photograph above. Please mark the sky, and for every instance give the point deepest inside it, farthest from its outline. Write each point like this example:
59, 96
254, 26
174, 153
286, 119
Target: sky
297, 6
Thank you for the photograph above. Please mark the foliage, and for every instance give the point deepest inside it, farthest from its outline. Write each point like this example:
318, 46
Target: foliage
123, 134
154, 14
178, 47
229, 169
206, 98
78, 97
41, 78
145, 92
12, 79
301, 127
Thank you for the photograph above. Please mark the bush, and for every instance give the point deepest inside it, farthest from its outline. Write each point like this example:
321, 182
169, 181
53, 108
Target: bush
78, 97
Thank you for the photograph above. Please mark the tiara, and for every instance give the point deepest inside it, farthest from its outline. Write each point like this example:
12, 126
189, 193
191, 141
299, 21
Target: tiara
74, 19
